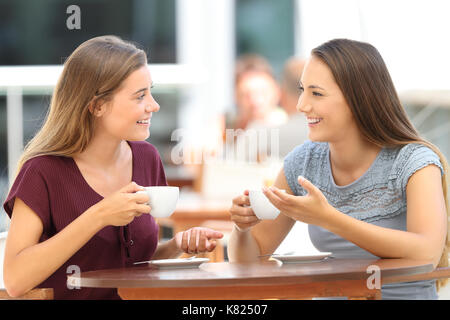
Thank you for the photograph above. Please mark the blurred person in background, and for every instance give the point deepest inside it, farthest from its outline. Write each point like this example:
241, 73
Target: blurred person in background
257, 94
295, 131
74, 201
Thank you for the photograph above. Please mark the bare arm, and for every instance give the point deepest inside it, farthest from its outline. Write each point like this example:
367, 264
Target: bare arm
426, 219
167, 250
253, 237
27, 262
426, 223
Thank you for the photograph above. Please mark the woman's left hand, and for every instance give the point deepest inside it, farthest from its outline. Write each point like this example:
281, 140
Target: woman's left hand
197, 240
312, 208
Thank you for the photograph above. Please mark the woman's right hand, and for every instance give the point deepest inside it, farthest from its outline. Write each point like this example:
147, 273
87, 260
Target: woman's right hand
121, 207
241, 213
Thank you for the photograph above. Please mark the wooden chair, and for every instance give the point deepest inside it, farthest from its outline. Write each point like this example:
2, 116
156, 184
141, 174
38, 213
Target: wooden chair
34, 294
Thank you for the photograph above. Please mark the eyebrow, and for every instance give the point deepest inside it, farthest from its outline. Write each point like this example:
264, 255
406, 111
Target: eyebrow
313, 86
143, 89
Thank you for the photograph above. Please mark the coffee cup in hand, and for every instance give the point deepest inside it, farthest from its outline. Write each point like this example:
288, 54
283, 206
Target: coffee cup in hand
261, 206
163, 200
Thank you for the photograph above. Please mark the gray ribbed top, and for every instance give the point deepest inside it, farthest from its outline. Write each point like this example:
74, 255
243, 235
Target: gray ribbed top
377, 197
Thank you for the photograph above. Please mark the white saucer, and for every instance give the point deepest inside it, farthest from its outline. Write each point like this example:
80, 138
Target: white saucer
291, 258
176, 263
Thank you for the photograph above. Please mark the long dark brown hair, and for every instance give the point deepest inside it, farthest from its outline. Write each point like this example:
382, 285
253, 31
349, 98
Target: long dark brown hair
362, 76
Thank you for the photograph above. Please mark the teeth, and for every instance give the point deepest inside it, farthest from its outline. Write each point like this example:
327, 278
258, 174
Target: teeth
143, 121
314, 120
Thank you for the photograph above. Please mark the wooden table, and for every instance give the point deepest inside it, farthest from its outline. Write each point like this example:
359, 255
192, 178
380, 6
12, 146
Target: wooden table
262, 280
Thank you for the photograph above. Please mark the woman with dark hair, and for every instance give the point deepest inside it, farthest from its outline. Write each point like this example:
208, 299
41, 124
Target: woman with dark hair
366, 183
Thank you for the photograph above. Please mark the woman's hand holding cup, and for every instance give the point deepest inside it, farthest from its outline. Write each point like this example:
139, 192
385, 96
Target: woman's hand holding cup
241, 214
121, 207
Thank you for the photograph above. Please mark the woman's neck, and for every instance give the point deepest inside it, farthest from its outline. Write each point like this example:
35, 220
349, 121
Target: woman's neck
352, 156
104, 153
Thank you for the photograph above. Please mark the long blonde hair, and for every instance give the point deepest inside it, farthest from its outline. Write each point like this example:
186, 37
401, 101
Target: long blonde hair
362, 76
91, 75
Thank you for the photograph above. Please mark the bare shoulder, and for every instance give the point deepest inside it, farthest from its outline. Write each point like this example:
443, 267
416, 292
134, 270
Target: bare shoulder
25, 229
429, 177
426, 211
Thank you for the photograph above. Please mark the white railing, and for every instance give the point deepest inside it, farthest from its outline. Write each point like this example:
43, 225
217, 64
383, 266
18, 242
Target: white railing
16, 81
36, 78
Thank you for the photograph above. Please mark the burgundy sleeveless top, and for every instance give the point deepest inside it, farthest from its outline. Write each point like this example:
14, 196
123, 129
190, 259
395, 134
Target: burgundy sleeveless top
54, 188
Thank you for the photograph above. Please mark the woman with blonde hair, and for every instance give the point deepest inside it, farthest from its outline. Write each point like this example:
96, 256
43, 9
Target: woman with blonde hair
74, 201
367, 184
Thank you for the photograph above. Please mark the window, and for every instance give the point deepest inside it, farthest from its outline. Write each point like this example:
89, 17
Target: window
35, 33
266, 27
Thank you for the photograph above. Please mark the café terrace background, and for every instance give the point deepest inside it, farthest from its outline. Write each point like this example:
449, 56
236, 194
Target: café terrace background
192, 46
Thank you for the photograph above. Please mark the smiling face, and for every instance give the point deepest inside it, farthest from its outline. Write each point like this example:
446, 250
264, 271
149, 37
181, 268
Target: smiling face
127, 116
321, 100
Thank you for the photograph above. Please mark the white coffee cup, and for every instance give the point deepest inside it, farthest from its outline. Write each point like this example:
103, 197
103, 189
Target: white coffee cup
163, 200
261, 206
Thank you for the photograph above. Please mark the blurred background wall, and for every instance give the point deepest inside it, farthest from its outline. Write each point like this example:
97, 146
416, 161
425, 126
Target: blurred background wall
192, 47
